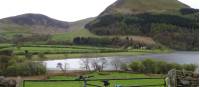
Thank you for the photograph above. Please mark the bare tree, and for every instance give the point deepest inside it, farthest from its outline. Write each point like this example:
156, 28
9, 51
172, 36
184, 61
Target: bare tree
64, 69
85, 62
103, 62
116, 62
95, 64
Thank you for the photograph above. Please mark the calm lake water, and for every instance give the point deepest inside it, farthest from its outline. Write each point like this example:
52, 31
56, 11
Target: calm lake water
177, 57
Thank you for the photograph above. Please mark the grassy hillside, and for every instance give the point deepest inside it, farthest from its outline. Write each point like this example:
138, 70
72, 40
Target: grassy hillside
9, 30
76, 29
31, 24
70, 35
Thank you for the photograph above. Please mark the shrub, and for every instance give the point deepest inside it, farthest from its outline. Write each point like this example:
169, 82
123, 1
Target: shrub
174, 66
190, 67
161, 67
6, 52
4, 62
42, 56
124, 67
137, 66
26, 69
149, 65
158, 67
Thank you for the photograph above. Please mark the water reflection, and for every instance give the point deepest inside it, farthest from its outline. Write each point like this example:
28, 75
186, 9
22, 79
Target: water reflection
78, 63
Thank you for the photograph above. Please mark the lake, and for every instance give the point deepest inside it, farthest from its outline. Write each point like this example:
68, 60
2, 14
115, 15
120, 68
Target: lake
182, 57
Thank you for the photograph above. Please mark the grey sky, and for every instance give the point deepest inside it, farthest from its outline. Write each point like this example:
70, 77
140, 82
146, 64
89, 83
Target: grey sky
66, 10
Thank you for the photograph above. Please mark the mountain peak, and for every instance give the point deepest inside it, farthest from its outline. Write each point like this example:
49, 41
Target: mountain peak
31, 19
141, 6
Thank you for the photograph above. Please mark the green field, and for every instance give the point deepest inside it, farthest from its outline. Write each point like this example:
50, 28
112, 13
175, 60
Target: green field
73, 51
62, 49
69, 36
101, 75
5, 45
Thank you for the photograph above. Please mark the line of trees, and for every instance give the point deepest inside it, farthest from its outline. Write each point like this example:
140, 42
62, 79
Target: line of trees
114, 42
158, 67
145, 66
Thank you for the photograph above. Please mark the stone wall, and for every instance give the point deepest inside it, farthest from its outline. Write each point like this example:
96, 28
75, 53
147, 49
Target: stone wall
4, 82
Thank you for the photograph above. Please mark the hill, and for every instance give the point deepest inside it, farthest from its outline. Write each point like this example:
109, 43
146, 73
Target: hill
76, 29
39, 26
168, 22
32, 23
142, 6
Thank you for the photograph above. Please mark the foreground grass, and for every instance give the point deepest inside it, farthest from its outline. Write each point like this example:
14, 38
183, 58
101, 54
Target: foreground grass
104, 75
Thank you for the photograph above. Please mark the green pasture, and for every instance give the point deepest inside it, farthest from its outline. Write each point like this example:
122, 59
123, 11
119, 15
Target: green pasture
104, 75
73, 51
69, 36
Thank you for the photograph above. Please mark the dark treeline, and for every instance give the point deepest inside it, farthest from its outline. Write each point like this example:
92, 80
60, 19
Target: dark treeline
138, 24
114, 42
96, 41
179, 29
188, 11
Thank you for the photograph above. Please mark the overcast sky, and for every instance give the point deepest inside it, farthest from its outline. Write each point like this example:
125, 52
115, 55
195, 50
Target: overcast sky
66, 10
